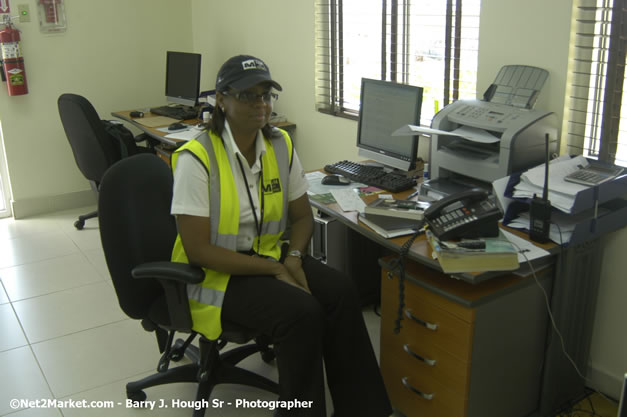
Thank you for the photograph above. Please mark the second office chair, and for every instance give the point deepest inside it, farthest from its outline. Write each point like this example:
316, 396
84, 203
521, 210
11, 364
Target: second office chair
94, 149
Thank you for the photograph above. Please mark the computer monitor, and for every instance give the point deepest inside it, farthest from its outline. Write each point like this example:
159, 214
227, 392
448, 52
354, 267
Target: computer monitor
385, 107
182, 78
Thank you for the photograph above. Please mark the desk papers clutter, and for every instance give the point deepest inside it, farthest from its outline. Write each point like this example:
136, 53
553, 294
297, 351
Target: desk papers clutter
562, 195
348, 199
192, 132
406, 209
155, 121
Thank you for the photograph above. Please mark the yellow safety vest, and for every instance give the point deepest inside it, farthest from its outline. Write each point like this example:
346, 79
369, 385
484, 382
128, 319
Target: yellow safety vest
205, 299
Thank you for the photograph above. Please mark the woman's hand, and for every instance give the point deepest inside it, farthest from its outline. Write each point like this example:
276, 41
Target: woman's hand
294, 267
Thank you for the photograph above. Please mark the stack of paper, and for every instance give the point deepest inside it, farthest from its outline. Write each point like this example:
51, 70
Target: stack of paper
561, 193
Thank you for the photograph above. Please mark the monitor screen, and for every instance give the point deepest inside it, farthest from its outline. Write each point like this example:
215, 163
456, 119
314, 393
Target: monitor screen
385, 107
182, 78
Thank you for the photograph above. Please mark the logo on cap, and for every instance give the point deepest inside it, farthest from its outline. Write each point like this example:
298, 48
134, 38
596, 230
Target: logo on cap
254, 64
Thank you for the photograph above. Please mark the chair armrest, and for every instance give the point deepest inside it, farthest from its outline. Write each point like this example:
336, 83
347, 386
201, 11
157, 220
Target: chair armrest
173, 271
173, 277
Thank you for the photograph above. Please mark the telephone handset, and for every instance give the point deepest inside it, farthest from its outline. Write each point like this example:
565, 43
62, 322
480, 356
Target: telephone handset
469, 214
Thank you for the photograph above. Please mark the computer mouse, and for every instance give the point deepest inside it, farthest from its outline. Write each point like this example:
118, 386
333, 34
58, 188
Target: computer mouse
177, 126
335, 180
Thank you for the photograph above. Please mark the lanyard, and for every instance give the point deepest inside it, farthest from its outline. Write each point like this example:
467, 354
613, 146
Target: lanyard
258, 222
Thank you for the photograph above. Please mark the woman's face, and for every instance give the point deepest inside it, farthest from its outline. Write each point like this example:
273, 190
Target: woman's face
247, 109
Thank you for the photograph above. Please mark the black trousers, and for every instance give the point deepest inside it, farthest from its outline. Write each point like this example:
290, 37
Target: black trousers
326, 327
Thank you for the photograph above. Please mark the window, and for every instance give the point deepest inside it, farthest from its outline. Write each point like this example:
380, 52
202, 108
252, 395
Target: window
428, 43
596, 82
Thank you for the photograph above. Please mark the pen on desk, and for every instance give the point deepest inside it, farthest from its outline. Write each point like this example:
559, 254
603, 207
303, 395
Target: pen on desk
412, 195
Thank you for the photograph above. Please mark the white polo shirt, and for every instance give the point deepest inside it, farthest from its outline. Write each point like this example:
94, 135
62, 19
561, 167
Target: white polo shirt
191, 186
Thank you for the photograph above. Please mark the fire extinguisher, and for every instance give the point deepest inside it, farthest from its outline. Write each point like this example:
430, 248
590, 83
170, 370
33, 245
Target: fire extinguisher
12, 61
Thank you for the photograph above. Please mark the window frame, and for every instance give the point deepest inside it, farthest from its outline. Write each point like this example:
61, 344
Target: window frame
597, 74
330, 98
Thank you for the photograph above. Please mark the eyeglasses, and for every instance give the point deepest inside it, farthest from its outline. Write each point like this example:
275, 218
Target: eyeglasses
251, 98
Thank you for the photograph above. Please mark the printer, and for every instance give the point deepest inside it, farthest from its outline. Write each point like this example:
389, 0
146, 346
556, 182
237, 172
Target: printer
494, 137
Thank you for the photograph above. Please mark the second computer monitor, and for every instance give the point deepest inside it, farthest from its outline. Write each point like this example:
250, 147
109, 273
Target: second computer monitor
385, 107
182, 79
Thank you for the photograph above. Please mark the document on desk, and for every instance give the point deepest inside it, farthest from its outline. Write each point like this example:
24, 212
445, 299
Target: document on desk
316, 188
155, 121
187, 134
470, 133
527, 251
348, 200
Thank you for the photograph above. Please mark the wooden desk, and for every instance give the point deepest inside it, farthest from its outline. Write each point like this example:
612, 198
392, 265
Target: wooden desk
160, 136
164, 150
481, 345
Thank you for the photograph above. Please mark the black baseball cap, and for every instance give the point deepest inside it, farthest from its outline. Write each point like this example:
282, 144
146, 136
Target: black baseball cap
242, 72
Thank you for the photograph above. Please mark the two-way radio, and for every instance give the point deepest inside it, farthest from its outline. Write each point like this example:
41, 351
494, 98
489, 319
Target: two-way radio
540, 210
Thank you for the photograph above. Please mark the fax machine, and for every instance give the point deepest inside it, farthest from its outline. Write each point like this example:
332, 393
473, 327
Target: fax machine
506, 135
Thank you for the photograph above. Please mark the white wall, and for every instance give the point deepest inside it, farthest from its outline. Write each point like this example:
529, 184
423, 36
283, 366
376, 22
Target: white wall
533, 32
114, 54
282, 34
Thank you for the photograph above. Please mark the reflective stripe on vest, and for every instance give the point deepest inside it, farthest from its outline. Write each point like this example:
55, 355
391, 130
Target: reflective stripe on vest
206, 299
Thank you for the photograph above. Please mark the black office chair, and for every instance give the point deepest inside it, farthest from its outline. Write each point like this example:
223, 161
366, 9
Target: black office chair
93, 148
138, 233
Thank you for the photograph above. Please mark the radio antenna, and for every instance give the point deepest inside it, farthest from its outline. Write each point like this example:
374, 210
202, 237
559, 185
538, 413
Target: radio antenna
540, 208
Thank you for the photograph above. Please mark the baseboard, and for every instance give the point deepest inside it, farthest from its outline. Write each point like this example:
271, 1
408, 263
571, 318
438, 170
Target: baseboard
48, 204
605, 382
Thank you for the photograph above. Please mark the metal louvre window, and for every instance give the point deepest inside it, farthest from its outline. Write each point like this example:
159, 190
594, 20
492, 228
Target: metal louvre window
596, 82
428, 43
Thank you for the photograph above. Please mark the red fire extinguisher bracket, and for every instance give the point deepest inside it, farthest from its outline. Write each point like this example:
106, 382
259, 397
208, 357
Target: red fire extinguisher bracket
13, 61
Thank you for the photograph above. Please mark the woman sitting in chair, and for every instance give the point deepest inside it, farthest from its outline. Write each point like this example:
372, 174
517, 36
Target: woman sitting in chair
235, 189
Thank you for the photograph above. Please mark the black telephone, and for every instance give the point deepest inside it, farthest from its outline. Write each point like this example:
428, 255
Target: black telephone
469, 214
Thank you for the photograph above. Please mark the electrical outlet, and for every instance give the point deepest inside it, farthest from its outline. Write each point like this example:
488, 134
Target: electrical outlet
24, 12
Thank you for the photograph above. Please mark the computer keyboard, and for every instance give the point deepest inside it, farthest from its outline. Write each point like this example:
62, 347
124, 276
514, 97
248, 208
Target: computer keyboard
371, 175
179, 113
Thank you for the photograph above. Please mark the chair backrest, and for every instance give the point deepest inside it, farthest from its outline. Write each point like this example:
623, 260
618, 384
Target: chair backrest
92, 147
136, 226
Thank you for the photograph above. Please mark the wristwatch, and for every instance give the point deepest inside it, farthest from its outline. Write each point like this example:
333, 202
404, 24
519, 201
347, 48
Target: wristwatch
296, 253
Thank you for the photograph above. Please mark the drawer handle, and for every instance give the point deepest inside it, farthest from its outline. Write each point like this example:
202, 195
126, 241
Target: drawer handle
430, 326
415, 390
430, 362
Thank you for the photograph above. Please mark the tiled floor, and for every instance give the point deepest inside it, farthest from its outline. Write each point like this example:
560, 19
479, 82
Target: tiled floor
64, 336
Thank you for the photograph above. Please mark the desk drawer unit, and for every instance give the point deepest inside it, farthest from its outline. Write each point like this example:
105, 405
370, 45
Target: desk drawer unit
463, 350
425, 365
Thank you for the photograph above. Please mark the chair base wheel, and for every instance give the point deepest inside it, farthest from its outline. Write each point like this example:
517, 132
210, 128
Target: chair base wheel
79, 224
136, 396
268, 356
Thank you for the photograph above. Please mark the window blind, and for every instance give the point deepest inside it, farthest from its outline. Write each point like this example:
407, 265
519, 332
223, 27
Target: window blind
429, 43
596, 82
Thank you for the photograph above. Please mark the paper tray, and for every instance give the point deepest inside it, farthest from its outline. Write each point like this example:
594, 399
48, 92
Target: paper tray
615, 217
604, 192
